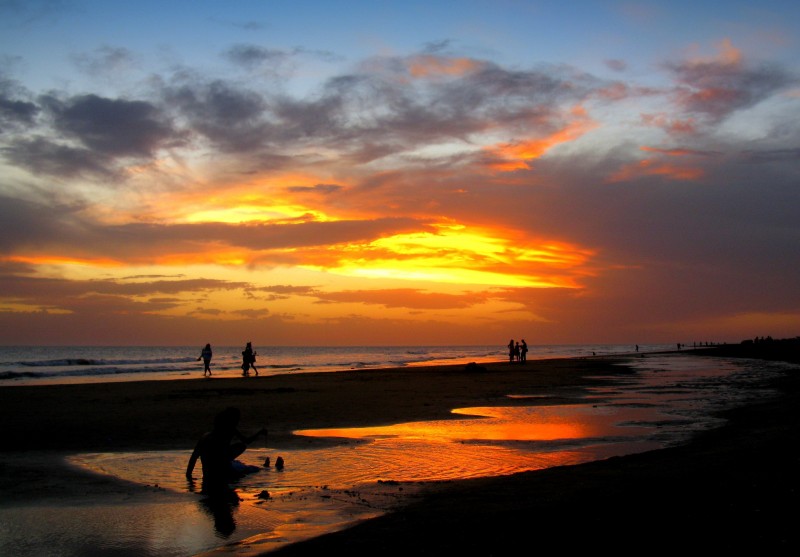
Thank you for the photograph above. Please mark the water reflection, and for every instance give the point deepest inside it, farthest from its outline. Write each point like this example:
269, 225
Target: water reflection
578, 422
220, 509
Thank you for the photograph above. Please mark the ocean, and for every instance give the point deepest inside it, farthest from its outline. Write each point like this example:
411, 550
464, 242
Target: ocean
83, 364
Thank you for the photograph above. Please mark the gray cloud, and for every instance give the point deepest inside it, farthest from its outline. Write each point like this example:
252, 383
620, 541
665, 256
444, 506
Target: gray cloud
717, 89
42, 156
115, 127
231, 118
16, 110
106, 60
254, 57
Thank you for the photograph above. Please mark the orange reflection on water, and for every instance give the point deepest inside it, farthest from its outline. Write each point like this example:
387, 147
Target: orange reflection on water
532, 423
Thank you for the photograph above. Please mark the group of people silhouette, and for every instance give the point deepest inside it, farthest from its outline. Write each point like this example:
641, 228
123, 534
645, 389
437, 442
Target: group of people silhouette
517, 351
248, 360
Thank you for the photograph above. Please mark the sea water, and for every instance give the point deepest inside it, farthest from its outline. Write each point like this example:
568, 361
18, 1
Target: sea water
369, 470
82, 364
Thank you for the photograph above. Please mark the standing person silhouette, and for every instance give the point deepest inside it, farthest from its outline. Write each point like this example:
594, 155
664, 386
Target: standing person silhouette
249, 359
523, 351
205, 355
511, 351
217, 451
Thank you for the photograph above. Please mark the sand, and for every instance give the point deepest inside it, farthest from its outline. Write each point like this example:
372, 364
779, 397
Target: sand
734, 488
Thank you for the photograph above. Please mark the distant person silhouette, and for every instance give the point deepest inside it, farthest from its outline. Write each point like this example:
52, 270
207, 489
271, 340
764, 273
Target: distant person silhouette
248, 359
205, 355
523, 351
511, 351
217, 451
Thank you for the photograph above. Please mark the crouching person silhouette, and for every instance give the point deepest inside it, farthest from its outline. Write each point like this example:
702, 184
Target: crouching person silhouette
217, 451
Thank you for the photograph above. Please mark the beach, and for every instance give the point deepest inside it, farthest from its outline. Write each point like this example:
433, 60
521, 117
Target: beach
728, 488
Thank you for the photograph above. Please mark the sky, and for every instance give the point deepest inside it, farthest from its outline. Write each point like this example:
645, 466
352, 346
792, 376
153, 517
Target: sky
398, 173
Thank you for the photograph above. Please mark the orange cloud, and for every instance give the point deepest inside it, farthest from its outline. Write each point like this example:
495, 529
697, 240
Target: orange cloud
652, 167
434, 66
44, 260
515, 156
727, 55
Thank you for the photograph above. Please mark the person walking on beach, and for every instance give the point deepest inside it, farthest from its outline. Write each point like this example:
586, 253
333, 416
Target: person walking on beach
217, 451
248, 360
205, 355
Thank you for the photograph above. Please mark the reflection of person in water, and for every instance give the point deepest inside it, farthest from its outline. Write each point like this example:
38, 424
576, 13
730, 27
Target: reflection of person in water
217, 451
222, 513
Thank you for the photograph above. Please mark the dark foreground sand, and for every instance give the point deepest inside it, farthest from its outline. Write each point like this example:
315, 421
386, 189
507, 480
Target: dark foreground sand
731, 489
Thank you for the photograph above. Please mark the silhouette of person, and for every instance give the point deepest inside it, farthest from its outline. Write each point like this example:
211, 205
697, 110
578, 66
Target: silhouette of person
217, 451
511, 351
523, 351
248, 359
517, 352
205, 355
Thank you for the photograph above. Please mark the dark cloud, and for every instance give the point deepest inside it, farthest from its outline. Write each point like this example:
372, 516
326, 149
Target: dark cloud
27, 225
232, 118
114, 127
772, 155
716, 89
105, 296
43, 156
142, 238
17, 111
389, 106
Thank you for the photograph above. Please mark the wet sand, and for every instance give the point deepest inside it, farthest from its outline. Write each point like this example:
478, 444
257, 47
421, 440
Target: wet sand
731, 488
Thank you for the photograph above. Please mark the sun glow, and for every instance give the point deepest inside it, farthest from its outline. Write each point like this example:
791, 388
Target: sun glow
456, 255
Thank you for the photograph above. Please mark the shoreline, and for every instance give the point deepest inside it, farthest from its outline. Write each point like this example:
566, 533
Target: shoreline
737, 476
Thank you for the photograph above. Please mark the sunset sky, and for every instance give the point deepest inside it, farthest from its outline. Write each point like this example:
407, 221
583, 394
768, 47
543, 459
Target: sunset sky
417, 172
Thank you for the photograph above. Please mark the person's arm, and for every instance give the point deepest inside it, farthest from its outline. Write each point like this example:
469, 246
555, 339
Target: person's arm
193, 460
248, 440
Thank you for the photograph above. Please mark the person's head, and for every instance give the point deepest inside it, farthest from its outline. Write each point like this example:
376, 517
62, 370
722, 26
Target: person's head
227, 419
